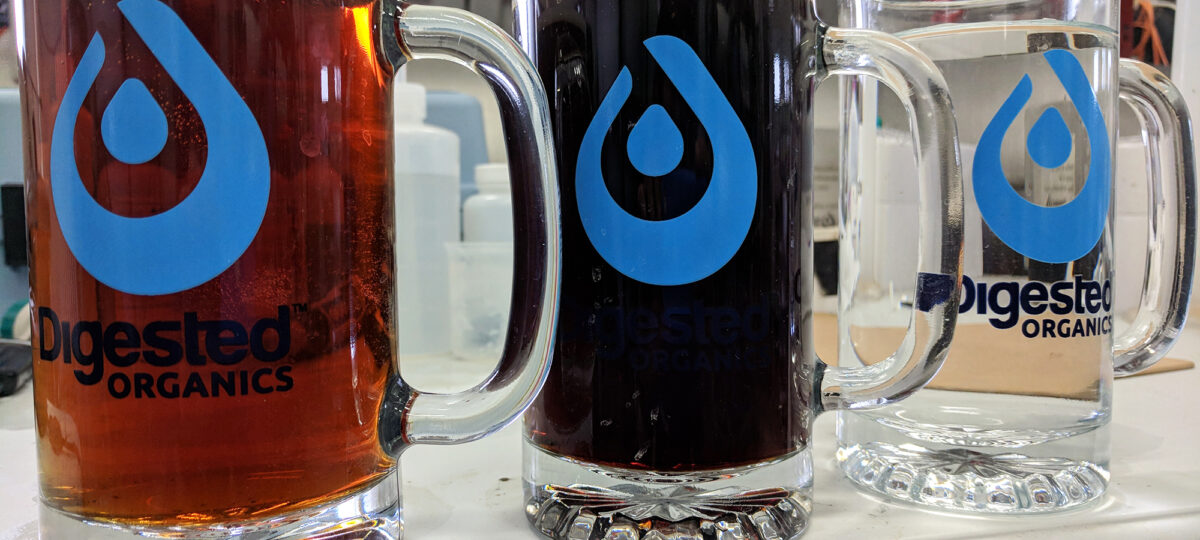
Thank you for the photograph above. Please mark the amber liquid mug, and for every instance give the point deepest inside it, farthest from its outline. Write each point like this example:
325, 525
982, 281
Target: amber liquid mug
210, 203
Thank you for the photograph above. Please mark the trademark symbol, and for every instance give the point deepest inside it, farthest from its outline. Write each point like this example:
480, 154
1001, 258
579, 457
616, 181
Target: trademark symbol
299, 308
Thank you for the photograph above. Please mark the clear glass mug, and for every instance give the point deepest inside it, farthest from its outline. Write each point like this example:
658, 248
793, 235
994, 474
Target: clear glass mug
210, 204
1017, 420
684, 385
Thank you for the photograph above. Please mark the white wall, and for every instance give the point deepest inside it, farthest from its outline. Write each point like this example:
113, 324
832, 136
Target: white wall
436, 75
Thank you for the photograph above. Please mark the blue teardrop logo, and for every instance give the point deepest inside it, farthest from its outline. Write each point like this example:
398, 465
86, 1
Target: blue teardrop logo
694, 245
1057, 234
208, 231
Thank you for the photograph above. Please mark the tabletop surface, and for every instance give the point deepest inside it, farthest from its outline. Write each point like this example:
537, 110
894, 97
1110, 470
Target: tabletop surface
473, 491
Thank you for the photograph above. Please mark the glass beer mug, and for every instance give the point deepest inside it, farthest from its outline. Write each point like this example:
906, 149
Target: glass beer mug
1017, 420
685, 382
211, 223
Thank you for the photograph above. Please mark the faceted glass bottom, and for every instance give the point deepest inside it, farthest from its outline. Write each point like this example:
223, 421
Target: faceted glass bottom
373, 514
572, 500
973, 481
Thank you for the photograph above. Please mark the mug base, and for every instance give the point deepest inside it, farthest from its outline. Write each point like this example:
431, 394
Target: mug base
966, 480
373, 514
566, 499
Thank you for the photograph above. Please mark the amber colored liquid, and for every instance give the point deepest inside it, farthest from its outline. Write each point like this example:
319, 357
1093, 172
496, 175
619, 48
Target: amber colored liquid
309, 73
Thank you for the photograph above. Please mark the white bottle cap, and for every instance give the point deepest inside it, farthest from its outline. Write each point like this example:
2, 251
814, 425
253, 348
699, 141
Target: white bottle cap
492, 176
410, 102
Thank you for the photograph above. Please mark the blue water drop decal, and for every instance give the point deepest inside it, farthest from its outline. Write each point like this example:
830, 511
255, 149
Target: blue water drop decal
1049, 142
655, 145
700, 242
134, 127
208, 231
1057, 234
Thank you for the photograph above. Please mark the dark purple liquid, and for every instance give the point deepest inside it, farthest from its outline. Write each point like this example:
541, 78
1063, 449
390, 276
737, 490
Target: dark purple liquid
715, 373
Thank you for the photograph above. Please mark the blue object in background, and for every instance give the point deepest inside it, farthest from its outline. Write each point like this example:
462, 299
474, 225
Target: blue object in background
462, 114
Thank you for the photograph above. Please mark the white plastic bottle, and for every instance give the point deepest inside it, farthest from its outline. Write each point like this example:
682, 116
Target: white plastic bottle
487, 215
427, 218
482, 268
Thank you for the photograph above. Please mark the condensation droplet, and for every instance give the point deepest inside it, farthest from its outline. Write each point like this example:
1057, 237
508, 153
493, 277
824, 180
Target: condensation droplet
641, 452
310, 146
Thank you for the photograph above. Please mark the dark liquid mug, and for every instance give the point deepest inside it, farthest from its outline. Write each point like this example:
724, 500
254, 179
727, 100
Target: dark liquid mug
210, 203
684, 382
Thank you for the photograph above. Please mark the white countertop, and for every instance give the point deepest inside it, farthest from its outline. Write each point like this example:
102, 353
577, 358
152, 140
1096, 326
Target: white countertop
473, 491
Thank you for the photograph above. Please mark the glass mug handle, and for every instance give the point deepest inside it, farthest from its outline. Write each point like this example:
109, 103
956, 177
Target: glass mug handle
413, 417
1166, 129
922, 89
